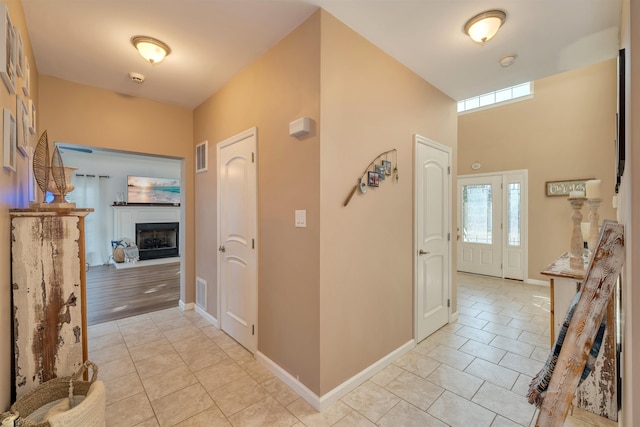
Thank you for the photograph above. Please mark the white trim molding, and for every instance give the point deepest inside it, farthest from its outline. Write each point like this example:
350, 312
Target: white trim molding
185, 306
209, 318
537, 282
320, 403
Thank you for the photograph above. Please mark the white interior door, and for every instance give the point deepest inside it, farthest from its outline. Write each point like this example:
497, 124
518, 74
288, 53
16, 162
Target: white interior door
480, 224
433, 235
237, 253
492, 224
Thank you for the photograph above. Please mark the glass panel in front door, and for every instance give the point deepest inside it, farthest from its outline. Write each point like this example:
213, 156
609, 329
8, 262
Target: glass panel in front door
513, 214
477, 213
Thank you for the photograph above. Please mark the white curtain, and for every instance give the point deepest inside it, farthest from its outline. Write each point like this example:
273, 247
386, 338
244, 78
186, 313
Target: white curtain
89, 192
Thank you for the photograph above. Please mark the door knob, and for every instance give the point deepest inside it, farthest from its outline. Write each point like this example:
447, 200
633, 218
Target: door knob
222, 249
421, 252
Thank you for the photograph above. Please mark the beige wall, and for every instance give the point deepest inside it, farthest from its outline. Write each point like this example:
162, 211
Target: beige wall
370, 103
337, 296
566, 131
88, 116
13, 194
279, 87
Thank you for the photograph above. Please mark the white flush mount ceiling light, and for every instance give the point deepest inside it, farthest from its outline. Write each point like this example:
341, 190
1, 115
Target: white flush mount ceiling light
152, 50
482, 27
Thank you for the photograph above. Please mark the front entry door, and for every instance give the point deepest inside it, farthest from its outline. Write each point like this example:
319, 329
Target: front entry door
492, 224
237, 253
480, 213
433, 234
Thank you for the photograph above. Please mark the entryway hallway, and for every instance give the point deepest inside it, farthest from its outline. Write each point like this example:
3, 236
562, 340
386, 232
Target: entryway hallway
172, 368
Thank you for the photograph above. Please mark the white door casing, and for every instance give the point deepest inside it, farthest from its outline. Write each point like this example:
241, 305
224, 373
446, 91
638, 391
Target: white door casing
433, 236
237, 231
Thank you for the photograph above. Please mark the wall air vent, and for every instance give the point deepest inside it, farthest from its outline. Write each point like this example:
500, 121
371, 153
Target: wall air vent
201, 293
202, 159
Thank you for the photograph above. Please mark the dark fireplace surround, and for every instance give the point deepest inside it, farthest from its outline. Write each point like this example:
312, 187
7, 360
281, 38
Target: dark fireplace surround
157, 239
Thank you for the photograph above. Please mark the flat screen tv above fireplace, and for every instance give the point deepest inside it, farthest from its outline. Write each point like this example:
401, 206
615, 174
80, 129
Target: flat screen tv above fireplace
142, 189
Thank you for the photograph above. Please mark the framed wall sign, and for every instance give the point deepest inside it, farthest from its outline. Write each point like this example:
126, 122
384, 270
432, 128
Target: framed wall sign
563, 188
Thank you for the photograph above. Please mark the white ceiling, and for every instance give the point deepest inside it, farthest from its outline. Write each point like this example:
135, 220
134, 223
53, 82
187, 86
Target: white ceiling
87, 41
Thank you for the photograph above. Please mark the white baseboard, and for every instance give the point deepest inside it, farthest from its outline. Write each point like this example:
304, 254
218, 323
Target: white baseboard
537, 282
209, 318
453, 317
186, 306
320, 403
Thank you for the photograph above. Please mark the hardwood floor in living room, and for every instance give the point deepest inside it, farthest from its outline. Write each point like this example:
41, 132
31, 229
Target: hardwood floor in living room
118, 293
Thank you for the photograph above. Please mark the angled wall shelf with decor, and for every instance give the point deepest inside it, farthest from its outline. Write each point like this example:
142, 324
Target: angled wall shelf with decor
378, 170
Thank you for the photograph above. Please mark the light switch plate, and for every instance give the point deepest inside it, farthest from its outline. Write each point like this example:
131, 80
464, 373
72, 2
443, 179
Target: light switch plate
301, 218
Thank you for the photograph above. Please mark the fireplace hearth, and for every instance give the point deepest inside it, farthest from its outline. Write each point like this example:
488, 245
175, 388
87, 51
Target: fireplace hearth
157, 239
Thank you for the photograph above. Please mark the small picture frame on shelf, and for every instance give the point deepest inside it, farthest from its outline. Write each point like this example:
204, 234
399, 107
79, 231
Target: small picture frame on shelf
8, 53
32, 117
373, 180
380, 172
23, 125
386, 164
9, 140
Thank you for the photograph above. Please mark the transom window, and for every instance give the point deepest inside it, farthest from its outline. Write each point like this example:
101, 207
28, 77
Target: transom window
519, 92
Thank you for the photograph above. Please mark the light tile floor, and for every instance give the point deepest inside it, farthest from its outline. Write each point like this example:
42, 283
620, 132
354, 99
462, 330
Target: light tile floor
172, 368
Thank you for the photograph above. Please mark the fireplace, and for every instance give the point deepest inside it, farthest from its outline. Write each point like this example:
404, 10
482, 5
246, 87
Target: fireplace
157, 239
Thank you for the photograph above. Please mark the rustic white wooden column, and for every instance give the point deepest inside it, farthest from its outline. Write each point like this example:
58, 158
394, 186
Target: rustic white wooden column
49, 294
602, 274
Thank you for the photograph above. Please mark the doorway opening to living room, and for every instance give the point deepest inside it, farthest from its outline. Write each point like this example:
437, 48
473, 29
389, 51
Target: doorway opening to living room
133, 236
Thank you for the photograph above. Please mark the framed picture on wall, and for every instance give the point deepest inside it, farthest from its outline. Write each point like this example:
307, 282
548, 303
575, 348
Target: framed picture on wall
380, 172
32, 117
22, 117
387, 167
8, 53
9, 140
19, 55
26, 78
373, 179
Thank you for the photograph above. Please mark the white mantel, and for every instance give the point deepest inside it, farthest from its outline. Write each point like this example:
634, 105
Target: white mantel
125, 218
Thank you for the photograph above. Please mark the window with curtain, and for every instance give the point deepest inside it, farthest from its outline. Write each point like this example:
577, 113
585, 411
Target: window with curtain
89, 192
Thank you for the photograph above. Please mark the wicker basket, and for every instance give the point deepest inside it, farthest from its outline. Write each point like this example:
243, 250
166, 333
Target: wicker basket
34, 405
118, 254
